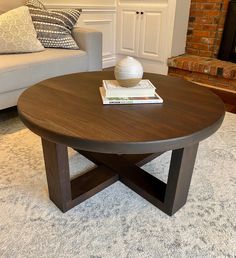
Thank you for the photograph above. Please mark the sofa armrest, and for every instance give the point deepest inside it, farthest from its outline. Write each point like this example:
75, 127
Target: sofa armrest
90, 41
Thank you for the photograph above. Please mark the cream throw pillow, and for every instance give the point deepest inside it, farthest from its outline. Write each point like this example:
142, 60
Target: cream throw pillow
17, 32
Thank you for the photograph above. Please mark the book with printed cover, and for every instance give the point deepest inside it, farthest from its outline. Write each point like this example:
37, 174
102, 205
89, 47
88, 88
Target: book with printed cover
155, 98
143, 89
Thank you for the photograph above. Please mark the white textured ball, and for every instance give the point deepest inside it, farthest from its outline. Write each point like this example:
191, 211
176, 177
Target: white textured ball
128, 72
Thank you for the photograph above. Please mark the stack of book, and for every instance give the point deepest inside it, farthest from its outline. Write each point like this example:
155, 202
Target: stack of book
144, 92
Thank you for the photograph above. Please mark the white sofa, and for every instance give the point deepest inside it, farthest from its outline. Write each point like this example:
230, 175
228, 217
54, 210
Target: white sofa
19, 71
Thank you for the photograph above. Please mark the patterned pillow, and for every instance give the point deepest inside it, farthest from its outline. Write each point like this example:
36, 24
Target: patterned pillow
54, 26
17, 33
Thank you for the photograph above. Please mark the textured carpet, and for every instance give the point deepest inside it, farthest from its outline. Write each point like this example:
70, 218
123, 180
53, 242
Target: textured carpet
116, 222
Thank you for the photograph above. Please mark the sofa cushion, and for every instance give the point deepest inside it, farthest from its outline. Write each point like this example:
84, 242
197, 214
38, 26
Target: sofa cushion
54, 26
25, 70
17, 33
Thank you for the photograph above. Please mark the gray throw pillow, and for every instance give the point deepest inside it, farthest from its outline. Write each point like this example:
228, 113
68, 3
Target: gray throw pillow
53, 26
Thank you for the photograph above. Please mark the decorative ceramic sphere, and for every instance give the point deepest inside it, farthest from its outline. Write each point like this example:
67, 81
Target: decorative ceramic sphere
128, 72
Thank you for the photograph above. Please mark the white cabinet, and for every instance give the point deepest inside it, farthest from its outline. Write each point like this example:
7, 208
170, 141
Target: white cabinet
141, 30
103, 20
152, 37
152, 31
128, 27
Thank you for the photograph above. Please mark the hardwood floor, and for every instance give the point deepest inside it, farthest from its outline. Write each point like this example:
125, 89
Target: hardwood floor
8, 113
228, 98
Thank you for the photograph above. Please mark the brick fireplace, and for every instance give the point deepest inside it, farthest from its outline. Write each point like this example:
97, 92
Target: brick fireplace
200, 63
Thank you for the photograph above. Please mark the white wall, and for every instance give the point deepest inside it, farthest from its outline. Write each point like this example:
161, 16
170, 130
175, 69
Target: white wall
81, 2
6, 5
180, 24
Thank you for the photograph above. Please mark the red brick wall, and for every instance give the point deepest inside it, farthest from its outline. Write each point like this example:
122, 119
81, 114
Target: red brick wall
206, 23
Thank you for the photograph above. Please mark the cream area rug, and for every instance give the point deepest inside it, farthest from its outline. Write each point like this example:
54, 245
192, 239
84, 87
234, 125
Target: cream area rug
116, 222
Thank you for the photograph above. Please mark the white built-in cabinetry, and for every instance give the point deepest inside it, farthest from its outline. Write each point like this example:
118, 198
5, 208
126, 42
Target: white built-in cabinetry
150, 30
146, 30
141, 30
104, 20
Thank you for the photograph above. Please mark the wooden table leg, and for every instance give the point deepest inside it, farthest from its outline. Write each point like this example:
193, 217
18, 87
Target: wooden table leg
179, 179
66, 193
58, 176
168, 197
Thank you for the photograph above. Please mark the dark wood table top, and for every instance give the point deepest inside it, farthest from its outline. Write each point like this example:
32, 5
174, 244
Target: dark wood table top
68, 110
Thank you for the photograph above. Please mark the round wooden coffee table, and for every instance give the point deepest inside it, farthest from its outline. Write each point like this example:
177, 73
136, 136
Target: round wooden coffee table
67, 111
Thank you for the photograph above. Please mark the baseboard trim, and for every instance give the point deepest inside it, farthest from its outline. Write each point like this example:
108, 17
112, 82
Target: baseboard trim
108, 62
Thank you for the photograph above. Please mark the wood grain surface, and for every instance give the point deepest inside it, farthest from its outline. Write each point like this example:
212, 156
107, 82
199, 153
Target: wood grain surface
68, 110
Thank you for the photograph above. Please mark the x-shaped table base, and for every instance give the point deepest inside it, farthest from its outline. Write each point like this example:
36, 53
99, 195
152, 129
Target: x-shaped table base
67, 193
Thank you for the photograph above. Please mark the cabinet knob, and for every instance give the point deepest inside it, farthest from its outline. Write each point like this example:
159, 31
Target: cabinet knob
141, 12
137, 12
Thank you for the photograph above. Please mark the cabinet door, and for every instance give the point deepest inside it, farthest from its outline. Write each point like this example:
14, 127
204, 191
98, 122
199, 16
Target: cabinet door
105, 22
152, 32
128, 30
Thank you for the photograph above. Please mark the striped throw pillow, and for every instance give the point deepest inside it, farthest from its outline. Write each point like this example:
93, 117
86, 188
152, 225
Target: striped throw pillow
53, 26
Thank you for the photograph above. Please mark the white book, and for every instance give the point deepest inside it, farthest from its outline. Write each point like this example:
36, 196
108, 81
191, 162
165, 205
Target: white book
143, 89
155, 98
